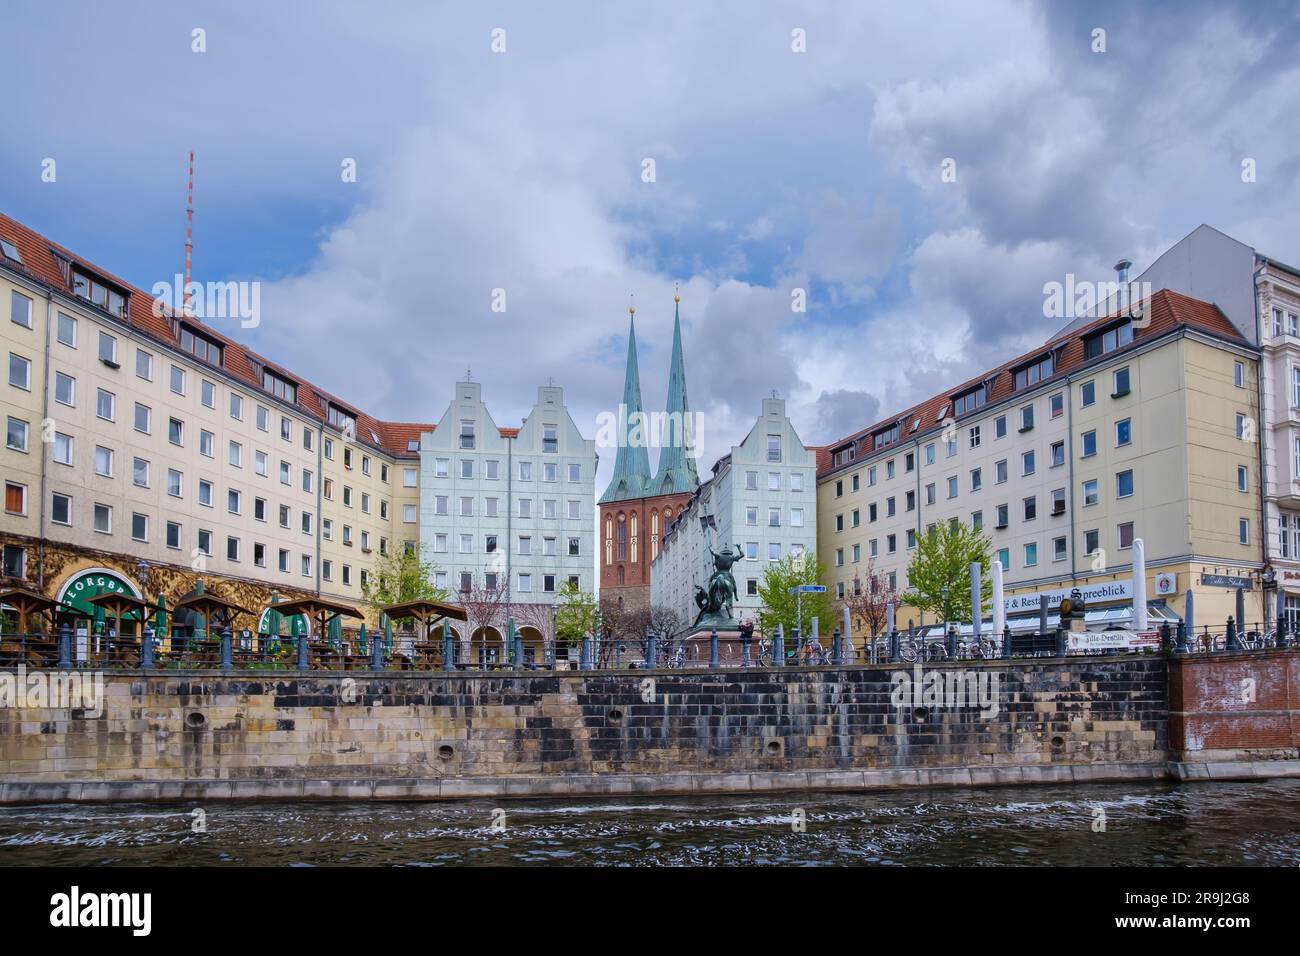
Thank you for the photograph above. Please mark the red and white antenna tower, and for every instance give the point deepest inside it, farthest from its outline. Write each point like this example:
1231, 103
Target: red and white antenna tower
189, 239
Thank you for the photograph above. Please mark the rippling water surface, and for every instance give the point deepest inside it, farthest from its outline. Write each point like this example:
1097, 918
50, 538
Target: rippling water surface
1193, 824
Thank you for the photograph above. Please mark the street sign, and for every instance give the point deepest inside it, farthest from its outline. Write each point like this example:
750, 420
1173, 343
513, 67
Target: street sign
808, 589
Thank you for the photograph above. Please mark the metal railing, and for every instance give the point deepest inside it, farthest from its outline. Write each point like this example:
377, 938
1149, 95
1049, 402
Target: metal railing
225, 650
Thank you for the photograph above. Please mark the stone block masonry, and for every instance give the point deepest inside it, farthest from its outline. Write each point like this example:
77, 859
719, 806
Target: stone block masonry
423, 736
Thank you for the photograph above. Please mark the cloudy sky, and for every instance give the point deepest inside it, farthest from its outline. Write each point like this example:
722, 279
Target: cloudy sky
774, 170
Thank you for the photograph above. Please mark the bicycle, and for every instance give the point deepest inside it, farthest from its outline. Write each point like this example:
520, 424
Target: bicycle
919, 649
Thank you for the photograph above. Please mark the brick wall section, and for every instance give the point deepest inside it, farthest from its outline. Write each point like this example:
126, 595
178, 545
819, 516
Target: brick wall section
209, 727
1228, 706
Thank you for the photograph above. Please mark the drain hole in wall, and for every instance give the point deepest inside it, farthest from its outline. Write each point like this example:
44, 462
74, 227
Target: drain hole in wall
194, 720
1058, 744
774, 748
446, 752
920, 713
616, 716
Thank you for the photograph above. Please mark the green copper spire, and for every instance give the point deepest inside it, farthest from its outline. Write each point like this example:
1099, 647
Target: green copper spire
677, 444
632, 463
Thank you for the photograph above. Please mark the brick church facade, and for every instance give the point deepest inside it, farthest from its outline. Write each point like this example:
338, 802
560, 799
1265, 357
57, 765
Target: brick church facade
637, 508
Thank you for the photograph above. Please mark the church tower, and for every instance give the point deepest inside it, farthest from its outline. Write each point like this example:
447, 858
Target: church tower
636, 509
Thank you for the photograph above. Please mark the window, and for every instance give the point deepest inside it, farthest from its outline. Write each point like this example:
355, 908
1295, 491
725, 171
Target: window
525, 583
1087, 394
1000, 471
525, 507
232, 549
103, 518
1034, 373
1003, 514
1239, 374
103, 461
173, 535
105, 404
965, 403
262, 464
279, 386
1243, 530
15, 561
264, 419
952, 488
774, 517
1058, 549
61, 509
1058, 454
1243, 478
1027, 460
467, 433
525, 471
773, 481
889, 468
1089, 444
774, 551
1121, 383
15, 498
466, 507
235, 455
467, 468
107, 349
575, 471
1004, 558
286, 478
751, 517
1124, 484
1109, 340
1125, 534
200, 346
140, 472
144, 365
751, 481
16, 434
175, 483
20, 309
178, 380
1056, 405
143, 416
525, 544
286, 432
574, 547
67, 335
977, 521
929, 495
1091, 542
975, 437
205, 492
1058, 502
1091, 492
236, 406
232, 501
1026, 418
65, 387
206, 442
208, 394
1031, 554
1123, 432
20, 372
409, 477
409, 514
796, 517
1242, 427
62, 448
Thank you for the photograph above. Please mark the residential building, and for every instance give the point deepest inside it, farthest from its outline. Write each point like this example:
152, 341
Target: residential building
761, 498
1112, 430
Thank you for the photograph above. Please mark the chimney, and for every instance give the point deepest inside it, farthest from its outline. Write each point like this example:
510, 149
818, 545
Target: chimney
1121, 269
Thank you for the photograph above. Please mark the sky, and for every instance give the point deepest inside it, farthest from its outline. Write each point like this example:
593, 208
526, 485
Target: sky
920, 170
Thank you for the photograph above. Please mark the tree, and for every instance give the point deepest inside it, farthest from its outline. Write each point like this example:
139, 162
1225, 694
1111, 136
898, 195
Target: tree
666, 624
400, 576
577, 615
939, 575
868, 601
779, 605
483, 609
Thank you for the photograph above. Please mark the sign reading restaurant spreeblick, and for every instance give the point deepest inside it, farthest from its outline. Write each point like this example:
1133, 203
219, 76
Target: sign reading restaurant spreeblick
1091, 593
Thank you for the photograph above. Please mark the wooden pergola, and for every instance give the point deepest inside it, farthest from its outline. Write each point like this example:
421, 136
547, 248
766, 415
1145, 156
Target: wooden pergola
428, 614
28, 604
318, 611
119, 604
210, 606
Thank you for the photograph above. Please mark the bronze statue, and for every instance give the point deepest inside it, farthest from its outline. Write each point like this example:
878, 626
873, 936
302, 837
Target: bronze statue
716, 603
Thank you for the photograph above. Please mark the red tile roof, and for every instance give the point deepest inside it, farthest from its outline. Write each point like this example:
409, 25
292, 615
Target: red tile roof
40, 262
1168, 310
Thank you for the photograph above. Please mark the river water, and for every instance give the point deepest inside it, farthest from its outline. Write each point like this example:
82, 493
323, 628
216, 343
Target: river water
1256, 823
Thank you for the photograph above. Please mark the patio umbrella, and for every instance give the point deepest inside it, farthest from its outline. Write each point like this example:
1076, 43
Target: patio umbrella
273, 623
335, 630
388, 633
361, 639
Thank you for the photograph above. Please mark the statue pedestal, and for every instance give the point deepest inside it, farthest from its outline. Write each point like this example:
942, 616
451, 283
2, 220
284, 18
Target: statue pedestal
729, 652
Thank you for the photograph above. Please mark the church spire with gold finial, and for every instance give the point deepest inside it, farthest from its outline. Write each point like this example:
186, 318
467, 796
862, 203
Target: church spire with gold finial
631, 476
677, 471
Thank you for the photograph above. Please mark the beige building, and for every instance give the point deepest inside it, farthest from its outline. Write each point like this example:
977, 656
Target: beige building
1116, 430
146, 450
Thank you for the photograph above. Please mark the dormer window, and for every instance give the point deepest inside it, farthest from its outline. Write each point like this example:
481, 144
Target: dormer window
1034, 373
943, 412
845, 455
9, 250
200, 346
969, 401
886, 436
279, 386
99, 292
1108, 340
342, 419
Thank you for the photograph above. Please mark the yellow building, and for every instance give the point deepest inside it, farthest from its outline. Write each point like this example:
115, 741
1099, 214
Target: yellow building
145, 450
1120, 429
